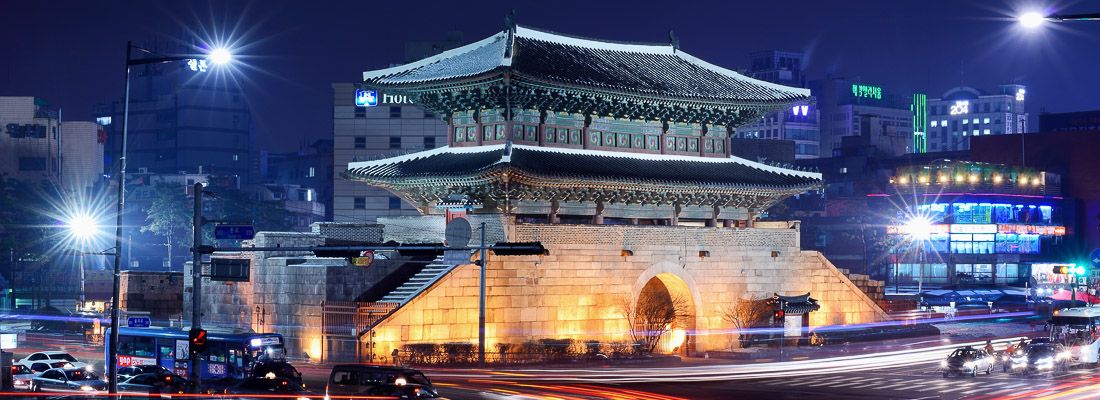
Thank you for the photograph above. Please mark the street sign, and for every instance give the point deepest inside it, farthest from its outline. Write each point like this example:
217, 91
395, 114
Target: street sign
137, 322
230, 269
8, 341
1094, 257
365, 259
234, 232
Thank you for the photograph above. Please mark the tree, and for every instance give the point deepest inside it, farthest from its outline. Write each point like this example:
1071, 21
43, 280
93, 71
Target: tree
170, 216
653, 314
240, 206
746, 313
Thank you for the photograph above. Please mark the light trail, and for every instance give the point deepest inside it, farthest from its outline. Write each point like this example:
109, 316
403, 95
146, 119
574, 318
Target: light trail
833, 365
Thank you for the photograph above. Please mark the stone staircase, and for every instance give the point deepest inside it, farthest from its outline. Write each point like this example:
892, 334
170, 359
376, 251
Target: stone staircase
419, 282
876, 290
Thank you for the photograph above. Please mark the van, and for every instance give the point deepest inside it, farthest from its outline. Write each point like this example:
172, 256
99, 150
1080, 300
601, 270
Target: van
368, 380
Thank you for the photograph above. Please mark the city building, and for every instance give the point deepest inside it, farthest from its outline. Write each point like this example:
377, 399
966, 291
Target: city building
82, 155
30, 141
302, 204
964, 112
158, 293
969, 223
1070, 121
875, 115
184, 116
383, 124
309, 167
1072, 155
799, 123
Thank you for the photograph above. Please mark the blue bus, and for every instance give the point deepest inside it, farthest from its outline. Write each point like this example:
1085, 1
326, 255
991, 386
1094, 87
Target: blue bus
229, 355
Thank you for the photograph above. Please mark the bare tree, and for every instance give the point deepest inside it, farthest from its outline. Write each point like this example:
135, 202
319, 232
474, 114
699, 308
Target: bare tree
652, 315
746, 313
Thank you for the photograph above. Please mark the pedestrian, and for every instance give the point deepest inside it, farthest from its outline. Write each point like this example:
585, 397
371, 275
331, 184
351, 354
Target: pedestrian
394, 354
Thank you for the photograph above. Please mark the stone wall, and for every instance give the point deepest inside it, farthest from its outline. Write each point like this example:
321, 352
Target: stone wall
576, 290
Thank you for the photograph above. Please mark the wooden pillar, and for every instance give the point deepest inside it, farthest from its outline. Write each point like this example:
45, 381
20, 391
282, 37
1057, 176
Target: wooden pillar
598, 218
675, 220
553, 217
713, 221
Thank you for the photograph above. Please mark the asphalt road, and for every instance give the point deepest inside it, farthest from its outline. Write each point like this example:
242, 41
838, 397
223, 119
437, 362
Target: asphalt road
913, 382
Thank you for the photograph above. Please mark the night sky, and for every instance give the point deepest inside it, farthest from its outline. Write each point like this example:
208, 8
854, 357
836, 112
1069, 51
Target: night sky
71, 52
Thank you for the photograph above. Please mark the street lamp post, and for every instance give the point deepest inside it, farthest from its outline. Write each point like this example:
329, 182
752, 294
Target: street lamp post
218, 56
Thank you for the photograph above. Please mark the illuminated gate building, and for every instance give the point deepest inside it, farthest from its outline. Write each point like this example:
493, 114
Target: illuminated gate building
615, 156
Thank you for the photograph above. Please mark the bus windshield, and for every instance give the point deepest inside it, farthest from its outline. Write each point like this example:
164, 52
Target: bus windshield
1073, 331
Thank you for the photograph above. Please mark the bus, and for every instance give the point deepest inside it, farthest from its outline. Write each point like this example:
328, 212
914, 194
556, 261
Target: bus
1079, 330
230, 354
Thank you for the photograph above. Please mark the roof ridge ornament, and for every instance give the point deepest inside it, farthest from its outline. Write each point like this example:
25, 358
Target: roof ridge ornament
673, 40
510, 27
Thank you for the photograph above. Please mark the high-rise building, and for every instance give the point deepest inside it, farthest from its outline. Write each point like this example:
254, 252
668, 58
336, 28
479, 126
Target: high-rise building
800, 122
964, 112
389, 127
378, 126
30, 144
872, 115
309, 167
1070, 121
81, 154
184, 116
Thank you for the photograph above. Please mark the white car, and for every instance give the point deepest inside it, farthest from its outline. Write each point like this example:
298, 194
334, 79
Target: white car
21, 376
51, 357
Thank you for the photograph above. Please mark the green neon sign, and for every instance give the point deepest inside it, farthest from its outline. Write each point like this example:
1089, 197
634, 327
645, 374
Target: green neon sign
867, 91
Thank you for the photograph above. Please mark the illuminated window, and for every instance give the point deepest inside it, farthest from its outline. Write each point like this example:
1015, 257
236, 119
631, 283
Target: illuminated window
975, 132
965, 121
943, 123
985, 120
935, 124
975, 120
986, 131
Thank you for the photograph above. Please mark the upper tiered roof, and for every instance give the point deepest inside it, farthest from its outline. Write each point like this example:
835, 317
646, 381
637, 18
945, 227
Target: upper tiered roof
544, 64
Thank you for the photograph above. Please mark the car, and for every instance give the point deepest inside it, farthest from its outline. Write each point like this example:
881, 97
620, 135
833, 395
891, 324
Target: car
51, 356
153, 383
21, 377
1042, 357
967, 360
360, 380
125, 373
67, 380
39, 367
405, 391
267, 388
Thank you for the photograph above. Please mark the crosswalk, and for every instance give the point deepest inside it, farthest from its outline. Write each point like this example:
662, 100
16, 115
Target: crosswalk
917, 384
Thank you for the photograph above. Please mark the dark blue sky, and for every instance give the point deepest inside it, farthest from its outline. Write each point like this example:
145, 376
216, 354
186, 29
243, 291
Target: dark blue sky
71, 52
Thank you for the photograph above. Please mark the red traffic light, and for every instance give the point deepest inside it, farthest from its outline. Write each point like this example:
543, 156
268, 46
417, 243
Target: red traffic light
779, 314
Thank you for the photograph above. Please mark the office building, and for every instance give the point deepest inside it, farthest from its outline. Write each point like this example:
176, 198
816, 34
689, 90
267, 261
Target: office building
1070, 121
184, 116
965, 112
309, 167
82, 155
799, 123
30, 142
878, 116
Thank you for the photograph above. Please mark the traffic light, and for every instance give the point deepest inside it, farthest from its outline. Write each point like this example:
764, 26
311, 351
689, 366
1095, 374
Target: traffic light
778, 315
197, 338
1065, 269
1061, 269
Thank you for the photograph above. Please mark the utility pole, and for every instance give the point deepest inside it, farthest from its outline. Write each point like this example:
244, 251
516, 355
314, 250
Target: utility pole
481, 301
196, 282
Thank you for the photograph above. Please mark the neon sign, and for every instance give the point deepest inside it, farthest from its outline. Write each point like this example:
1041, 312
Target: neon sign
867, 91
1020, 94
197, 65
801, 111
366, 98
960, 107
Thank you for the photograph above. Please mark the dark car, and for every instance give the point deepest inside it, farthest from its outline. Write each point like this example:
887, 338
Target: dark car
67, 380
276, 369
153, 383
967, 360
360, 380
129, 372
1041, 357
406, 391
267, 388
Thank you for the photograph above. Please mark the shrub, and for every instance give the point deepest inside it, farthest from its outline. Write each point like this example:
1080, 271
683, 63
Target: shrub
420, 353
592, 348
557, 349
459, 352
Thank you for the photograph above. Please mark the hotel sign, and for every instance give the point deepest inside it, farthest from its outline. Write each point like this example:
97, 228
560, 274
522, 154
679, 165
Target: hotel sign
960, 107
372, 98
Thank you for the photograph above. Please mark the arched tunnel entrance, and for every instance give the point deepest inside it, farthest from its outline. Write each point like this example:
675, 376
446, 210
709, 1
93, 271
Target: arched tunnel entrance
665, 315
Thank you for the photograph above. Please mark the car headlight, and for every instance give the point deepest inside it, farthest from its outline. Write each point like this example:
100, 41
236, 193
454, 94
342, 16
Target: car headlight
1065, 355
943, 363
303, 398
87, 388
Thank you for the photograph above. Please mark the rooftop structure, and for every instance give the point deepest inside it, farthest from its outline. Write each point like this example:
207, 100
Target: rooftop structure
543, 123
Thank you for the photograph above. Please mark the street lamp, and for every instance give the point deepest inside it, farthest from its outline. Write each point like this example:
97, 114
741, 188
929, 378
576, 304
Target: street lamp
83, 228
217, 56
919, 230
1034, 19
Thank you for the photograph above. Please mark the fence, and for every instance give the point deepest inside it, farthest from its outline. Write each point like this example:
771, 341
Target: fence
348, 318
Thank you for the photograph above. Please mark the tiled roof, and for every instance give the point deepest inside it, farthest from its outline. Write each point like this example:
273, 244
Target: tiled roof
587, 164
550, 58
